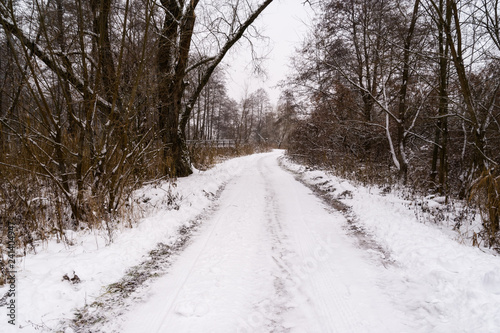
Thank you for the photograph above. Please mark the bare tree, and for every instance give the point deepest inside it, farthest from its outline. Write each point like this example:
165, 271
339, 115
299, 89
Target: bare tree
75, 126
173, 59
420, 76
371, 46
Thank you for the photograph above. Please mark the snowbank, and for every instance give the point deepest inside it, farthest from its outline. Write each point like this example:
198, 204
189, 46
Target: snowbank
444, 285
43, 297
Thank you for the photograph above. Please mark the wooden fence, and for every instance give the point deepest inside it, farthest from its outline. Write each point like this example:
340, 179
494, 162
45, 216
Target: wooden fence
221, 143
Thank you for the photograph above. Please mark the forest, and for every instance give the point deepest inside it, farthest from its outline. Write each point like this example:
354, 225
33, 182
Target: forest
405, 92
100, 97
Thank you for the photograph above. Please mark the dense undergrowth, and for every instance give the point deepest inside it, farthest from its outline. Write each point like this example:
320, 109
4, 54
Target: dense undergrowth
35, 211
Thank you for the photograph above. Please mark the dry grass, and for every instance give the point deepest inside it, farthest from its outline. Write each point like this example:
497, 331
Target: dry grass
204, 157
486, 195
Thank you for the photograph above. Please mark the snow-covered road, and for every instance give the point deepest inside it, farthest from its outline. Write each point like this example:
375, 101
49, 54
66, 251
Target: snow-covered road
271, 258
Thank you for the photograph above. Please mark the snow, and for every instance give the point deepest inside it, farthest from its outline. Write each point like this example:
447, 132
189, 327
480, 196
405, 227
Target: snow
441, 284
271, 256
43, 297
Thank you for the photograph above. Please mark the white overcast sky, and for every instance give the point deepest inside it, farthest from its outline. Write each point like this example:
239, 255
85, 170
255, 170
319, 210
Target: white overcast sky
286, 23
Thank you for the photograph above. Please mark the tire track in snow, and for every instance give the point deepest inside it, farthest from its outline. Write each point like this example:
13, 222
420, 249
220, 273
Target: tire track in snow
224, 270
264, 263
317, 290
280, 300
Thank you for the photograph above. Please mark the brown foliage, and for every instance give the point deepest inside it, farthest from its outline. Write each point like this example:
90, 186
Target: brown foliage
486, 195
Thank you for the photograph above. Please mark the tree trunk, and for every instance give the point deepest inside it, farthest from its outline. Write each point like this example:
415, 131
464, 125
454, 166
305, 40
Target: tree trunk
479, 161
443, 107
172, 62
401, 130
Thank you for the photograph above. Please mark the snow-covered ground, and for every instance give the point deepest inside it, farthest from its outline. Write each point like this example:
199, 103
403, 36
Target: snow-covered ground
44, 298
440, 283
270, 256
